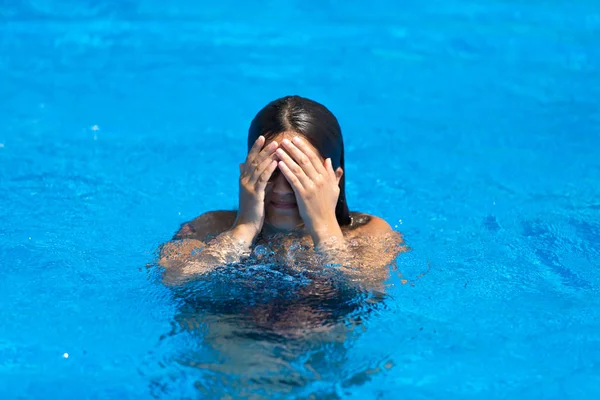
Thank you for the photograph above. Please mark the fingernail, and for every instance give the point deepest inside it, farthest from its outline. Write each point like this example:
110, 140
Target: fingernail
285, 141
296, 139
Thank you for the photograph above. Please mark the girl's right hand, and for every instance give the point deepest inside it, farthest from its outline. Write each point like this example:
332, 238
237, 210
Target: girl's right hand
254, 176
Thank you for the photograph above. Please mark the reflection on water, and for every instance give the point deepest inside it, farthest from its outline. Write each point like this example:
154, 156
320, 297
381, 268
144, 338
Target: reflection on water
262, 329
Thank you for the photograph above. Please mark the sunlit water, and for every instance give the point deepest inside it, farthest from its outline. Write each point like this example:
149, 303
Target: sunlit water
472, 127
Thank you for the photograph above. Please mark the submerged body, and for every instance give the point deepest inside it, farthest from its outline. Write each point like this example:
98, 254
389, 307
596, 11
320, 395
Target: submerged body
292, 271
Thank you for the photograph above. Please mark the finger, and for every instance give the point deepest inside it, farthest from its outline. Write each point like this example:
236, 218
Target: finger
291, 177
329, 169
266, 152
303, 179
301, 159
256, 160
263, 179
310, 153
260, 168
258, 144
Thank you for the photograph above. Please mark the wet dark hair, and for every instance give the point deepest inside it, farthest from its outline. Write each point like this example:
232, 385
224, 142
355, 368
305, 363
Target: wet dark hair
316, 124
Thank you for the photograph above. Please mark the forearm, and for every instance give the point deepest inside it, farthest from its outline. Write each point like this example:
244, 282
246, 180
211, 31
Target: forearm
326, 235
229, 247
364, 259
192, 257
330, 244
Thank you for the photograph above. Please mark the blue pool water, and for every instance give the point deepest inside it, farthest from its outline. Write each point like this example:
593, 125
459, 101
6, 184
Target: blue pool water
473, 127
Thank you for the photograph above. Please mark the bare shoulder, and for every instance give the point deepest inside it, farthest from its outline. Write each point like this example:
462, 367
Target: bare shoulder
207, 225
368, 225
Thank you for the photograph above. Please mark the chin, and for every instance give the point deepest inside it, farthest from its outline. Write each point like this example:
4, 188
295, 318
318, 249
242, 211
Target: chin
286, 221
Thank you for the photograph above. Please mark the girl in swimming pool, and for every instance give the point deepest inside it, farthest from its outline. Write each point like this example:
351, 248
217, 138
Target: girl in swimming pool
291, 196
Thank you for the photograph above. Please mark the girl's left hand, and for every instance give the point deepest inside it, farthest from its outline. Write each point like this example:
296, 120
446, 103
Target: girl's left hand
316, 187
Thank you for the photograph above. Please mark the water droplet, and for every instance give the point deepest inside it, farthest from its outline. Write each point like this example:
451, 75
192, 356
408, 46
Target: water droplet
95, 128
260, 251
66, 355
1, 145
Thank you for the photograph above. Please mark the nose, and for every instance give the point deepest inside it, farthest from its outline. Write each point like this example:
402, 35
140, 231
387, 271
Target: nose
281, 186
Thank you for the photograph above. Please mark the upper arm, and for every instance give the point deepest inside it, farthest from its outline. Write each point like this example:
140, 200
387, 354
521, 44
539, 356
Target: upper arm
206, 226
193, 235
375, 246
176, 256
178, 251
369, 226
375, 227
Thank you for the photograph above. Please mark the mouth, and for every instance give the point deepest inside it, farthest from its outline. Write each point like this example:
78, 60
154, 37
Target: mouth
284, 205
